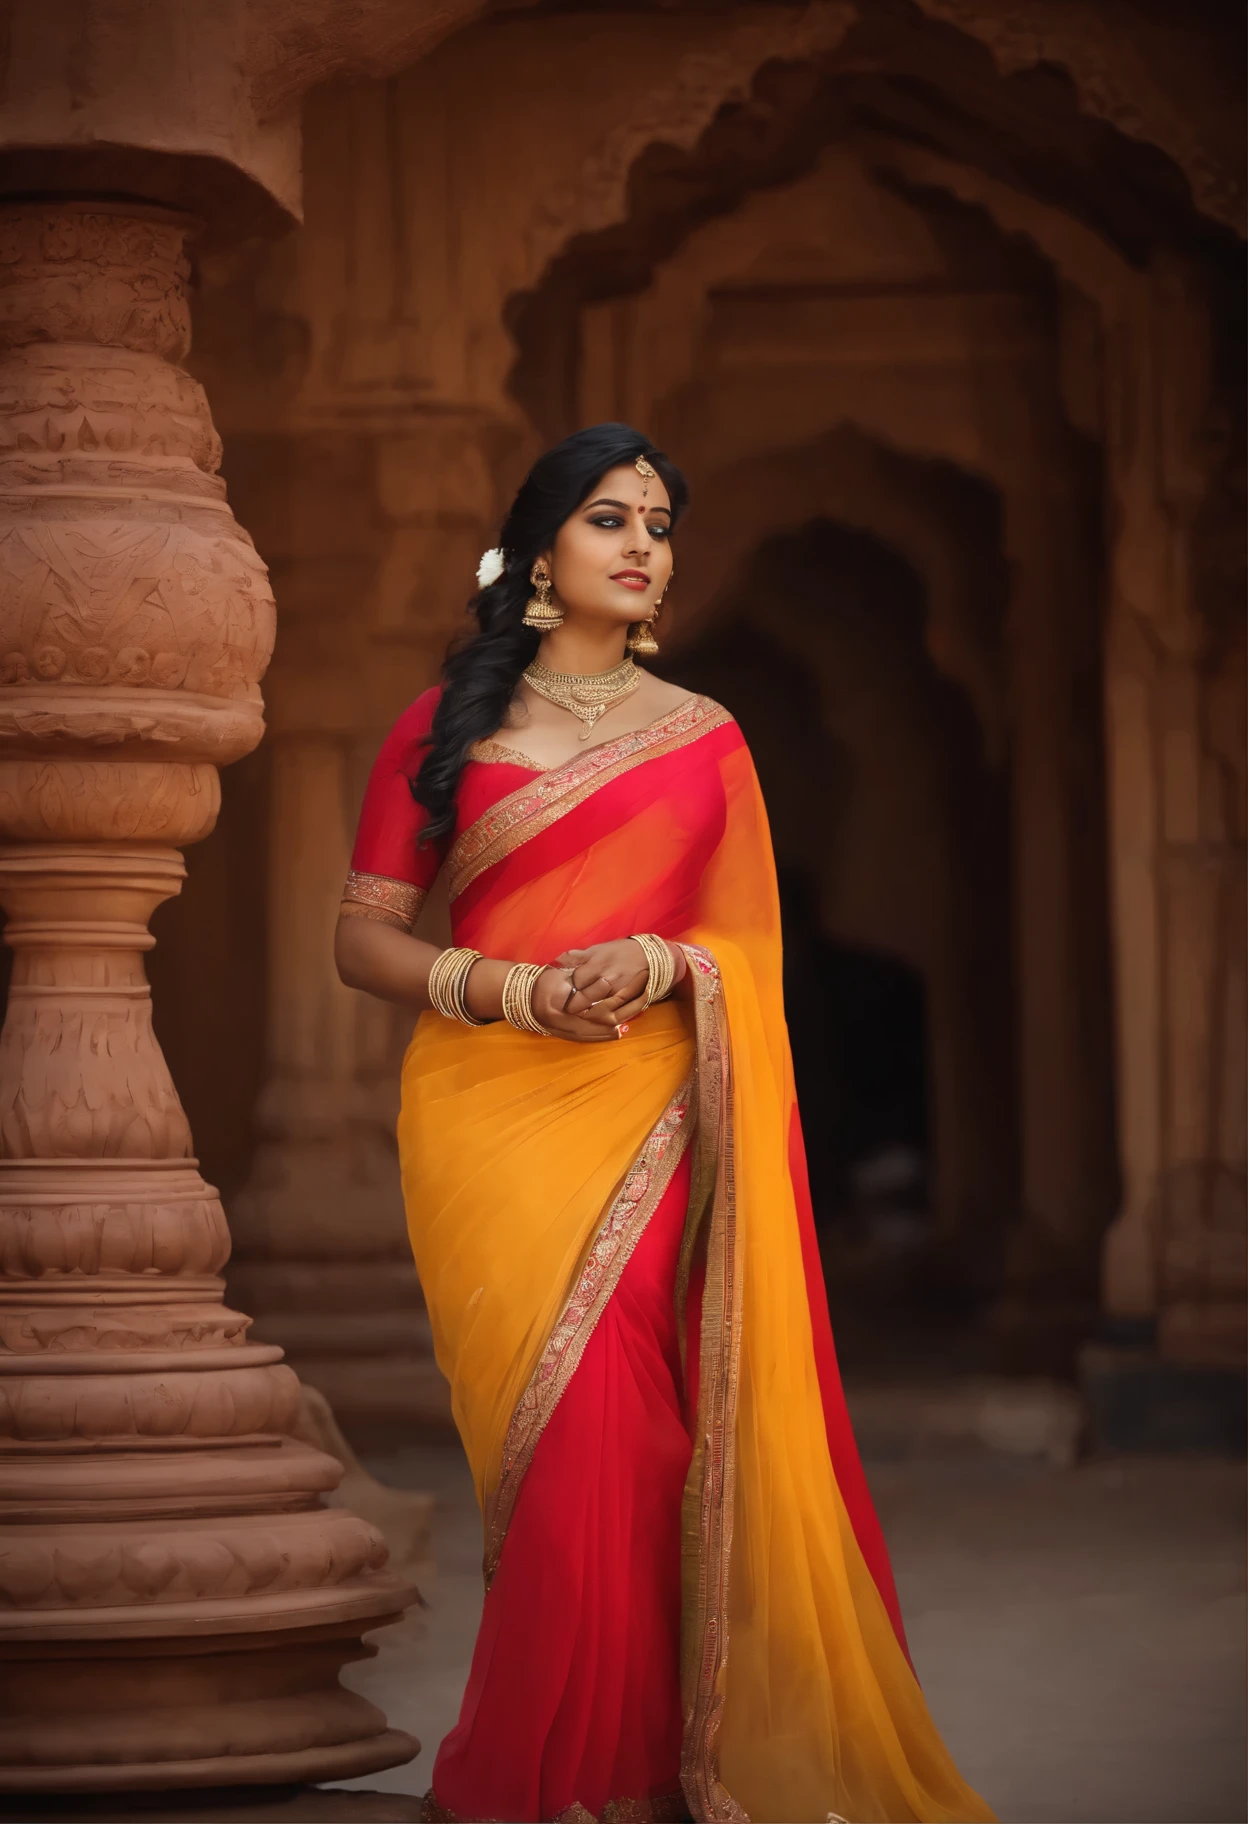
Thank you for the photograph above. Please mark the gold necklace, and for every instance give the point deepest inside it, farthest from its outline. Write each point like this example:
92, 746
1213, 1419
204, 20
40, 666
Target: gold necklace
587, 695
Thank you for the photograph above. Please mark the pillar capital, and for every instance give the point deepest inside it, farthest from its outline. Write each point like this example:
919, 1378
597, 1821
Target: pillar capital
141, 618
196, 106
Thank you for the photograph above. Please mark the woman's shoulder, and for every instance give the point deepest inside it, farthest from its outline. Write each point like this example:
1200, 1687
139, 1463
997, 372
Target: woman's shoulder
417, 719
706, 711
409, 733
666, 699
419, 712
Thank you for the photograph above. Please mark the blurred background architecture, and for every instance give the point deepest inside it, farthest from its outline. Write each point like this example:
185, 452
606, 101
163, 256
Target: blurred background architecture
940, 303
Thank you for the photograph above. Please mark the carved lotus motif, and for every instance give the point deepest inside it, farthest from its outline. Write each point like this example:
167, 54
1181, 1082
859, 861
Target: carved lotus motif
92, 663
168, 670
133, 665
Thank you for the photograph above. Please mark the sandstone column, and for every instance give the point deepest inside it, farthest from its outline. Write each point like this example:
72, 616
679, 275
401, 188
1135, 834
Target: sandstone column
177, 1602
1065, 1102
1176, 1256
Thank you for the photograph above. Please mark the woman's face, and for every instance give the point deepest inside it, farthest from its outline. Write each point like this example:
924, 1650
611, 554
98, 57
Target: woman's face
612, 560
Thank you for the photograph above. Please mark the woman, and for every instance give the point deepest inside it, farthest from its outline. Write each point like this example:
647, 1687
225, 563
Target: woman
689, 1608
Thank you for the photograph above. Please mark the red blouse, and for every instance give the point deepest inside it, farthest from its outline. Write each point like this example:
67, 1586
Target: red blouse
391, 872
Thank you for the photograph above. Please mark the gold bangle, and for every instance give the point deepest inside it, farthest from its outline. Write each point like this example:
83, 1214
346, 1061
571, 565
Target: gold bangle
447, 981
518, 998
660, 966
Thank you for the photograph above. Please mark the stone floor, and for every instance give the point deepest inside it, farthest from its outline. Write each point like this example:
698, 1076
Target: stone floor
1079, 1633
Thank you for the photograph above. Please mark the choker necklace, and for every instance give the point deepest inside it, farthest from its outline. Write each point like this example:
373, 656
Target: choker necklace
587, 696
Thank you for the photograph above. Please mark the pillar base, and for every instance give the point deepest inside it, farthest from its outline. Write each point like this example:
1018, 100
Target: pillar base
221, 1710
223, 1805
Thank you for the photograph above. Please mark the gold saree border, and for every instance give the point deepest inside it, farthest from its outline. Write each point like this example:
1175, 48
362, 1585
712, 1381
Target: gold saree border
609, 1253
534, 806
707, 1513
393, 902
497, 753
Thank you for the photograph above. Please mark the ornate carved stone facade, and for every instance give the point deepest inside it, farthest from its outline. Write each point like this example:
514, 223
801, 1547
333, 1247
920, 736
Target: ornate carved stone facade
930, 299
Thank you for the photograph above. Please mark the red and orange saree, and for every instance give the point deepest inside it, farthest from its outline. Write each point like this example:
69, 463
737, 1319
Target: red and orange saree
689, 1606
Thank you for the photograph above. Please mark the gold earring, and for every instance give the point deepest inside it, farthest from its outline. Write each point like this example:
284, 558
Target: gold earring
641, 638
540, 612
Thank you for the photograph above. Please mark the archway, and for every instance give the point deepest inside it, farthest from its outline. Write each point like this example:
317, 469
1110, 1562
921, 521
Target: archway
814, 330
891, 825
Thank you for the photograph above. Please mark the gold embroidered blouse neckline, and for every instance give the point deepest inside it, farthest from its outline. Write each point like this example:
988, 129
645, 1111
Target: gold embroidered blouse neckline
497, 753
491, 751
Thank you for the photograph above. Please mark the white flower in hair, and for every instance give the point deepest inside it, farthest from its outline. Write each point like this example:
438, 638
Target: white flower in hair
490, 568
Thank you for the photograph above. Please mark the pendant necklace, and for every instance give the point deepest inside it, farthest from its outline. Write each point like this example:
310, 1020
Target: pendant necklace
587, 695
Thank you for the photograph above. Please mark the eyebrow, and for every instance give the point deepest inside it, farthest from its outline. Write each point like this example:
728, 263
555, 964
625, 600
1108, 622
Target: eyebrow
624, 506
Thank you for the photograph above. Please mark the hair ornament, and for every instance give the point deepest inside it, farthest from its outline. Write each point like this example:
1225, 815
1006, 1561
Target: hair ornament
491, 567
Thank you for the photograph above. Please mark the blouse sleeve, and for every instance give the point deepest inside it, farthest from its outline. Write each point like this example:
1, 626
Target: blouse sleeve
391, 873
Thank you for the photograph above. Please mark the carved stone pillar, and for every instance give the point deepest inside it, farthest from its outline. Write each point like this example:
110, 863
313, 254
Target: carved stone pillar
175, 1600
1066, 1131
1176, 1258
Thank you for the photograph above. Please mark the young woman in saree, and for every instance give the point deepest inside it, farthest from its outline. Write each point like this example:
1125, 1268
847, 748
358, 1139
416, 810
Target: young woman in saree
689, 1610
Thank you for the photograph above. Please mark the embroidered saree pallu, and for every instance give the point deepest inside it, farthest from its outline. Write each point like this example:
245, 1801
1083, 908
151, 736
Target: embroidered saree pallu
689, 1608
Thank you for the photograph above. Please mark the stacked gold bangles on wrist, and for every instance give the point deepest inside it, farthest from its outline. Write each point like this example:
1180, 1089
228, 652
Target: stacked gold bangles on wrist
660, 963
518, 987
448, 980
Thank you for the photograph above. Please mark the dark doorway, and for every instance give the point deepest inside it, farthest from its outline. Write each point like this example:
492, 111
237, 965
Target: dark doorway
891, 828
858, 1026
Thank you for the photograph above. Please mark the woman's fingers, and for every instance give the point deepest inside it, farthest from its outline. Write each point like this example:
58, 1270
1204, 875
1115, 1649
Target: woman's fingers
570, 959
606, 996
587, 976
576, 998
595, 988
585, 1032
621, 1005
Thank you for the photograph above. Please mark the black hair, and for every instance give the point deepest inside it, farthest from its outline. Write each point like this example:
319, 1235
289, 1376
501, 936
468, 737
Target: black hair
479, 677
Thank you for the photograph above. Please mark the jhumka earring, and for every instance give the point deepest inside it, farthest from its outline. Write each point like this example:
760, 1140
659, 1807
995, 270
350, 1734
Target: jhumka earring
641, 638
540, 612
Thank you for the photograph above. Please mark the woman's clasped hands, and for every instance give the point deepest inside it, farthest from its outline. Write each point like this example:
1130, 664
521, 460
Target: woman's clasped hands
589, 995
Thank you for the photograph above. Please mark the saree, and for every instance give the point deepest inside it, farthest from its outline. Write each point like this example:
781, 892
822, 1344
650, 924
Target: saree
617, 1251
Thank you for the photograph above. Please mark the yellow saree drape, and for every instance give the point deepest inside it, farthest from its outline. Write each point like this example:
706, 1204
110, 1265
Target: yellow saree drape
529, 1166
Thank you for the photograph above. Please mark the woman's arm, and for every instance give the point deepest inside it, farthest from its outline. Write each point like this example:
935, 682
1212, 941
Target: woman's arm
380, 959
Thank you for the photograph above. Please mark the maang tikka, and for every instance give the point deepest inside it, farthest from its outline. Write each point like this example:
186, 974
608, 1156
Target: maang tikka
540, 612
